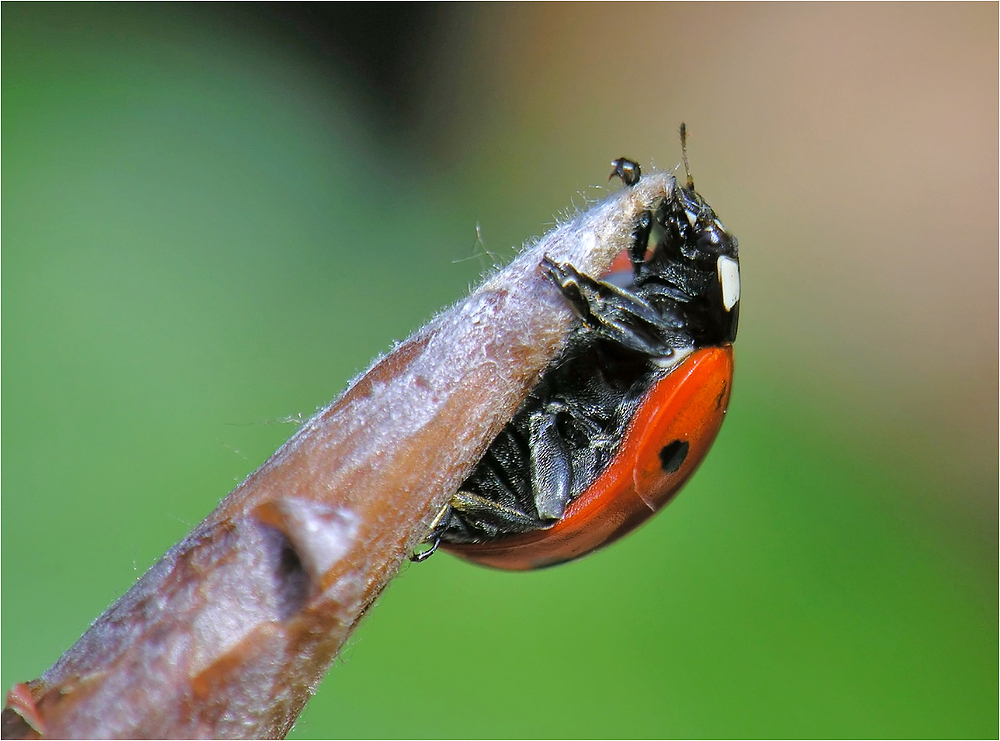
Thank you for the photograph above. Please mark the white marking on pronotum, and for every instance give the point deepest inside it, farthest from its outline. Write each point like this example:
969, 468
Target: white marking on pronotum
729, 277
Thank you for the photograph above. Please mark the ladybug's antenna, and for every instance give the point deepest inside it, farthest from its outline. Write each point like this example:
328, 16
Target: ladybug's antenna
684, 156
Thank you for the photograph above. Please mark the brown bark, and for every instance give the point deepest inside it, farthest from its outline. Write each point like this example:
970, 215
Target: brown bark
231, 631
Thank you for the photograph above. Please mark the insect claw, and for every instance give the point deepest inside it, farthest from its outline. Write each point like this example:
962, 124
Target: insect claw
626, 169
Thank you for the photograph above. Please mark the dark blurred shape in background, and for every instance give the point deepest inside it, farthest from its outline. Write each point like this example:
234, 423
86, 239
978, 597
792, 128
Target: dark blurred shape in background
381, 49
215, 215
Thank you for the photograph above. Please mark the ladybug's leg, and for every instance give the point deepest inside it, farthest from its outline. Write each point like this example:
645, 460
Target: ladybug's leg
619, 317
476, 519
626, 169
551, 466
432, 544
433, 539
640, 241
470, 518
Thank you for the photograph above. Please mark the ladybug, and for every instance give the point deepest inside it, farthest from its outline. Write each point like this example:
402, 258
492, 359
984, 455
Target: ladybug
623, 417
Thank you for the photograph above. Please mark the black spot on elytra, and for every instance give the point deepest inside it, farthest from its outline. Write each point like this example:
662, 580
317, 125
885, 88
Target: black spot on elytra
672, 456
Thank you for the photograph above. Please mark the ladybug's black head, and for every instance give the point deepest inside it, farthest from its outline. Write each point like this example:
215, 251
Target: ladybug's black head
684, 262
700, 258
697, 262
695, 229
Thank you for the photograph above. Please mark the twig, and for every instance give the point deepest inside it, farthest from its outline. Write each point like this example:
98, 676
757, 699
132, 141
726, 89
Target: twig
231, 631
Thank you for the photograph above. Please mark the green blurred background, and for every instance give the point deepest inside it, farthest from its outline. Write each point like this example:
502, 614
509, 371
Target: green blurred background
215, 216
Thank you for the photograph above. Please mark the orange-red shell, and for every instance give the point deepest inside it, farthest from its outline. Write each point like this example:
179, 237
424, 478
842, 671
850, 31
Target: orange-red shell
689, 405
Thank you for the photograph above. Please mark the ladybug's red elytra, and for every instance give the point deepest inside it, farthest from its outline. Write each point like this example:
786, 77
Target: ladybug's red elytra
624, 416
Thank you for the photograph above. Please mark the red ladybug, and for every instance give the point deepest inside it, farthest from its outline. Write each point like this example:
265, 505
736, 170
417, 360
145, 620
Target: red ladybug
623, 417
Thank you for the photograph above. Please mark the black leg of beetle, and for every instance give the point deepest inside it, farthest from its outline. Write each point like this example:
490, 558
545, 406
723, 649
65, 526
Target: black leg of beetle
441, 523
424, 555
551, 467
626, 169
640, 241
476, 519
616, 316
